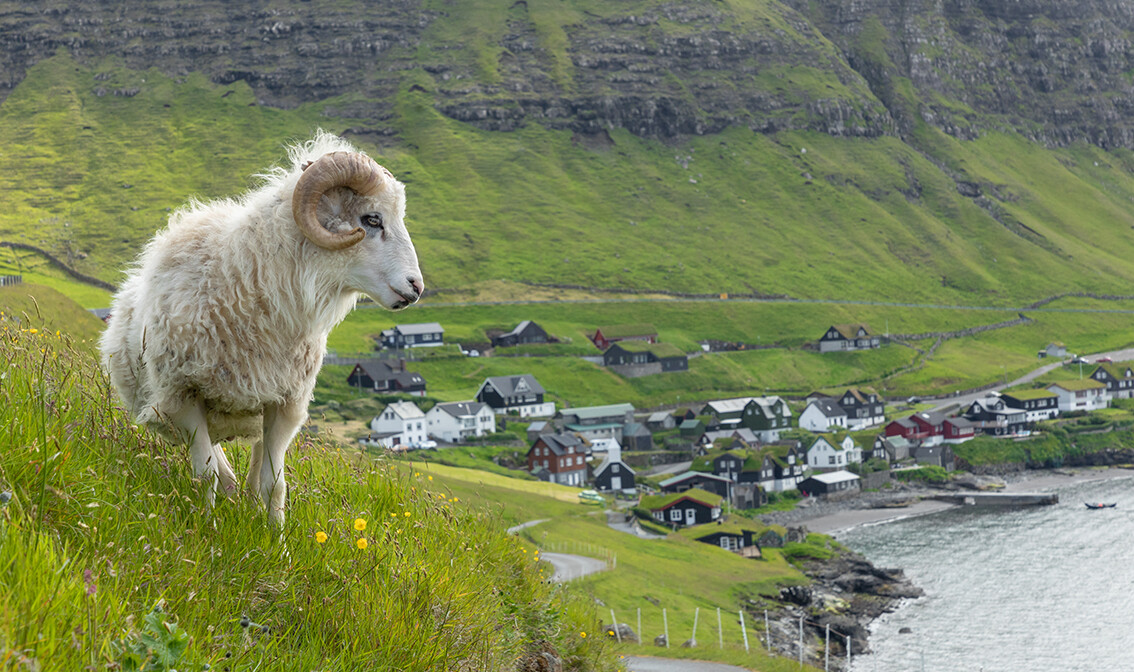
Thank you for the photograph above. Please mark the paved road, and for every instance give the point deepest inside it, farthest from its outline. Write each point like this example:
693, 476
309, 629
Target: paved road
650, 664
965, 399
675, 468
569, 567
617, 521
531, 523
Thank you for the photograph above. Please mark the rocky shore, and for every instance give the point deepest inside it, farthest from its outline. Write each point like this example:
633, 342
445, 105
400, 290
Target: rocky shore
847, 592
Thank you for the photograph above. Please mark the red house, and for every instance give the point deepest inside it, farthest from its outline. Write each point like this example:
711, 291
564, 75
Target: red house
905, 428
558, 458
604, 336
957, 430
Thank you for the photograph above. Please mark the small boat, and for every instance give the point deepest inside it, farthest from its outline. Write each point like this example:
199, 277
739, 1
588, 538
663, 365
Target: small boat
1101, 505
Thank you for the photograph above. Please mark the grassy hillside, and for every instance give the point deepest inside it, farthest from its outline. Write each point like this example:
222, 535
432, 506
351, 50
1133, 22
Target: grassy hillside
100, 522
90, 178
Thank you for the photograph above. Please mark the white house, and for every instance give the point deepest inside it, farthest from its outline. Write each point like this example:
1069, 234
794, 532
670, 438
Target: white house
821, 414
459, 420
1080, 395
400, 426
829, 455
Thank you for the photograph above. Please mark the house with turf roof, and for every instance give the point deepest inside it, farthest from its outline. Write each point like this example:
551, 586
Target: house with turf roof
739, 467
603, 337
1118, 378
766, 417
733, 533
743, 434
682, 509
829, 453
1037, 405
709, 482
634, 359
597, 422
782, 466
1087, 394
848, 337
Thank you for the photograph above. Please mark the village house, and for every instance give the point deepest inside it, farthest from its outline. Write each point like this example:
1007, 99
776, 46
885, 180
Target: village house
692, 507
635, 359
521, 395
614, 475
940, 455
766, 417
400, 426
957, 430
458, 421
781, 466
831, 485
691, 428
661, 421
596, 422
822, 414
605, 336
731, 533
604, 447
743, 434
929, 428
1118, 378
537, 428
994, 417
636, 436
892, 449
688, 480
558, 458
1055, 350
831, 454
524, 333
1080, 395
386, 377
864, 408
1037, 405
847, 337
419, 335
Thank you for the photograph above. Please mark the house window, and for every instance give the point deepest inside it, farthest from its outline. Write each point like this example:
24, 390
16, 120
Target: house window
675, 514
831, 460
614, 468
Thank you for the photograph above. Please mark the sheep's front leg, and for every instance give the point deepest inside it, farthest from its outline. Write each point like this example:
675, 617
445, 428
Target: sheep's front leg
190, 420
252, 483
281, 422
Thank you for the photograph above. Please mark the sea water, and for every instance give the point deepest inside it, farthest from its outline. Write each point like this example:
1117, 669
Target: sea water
1036, 589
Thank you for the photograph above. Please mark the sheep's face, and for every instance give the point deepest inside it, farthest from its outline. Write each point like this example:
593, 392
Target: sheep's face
383, 265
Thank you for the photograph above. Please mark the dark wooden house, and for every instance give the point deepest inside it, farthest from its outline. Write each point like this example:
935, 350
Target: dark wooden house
423, 334
649, 357
614, 475
524, 333
389, 378
692, 507
847, 337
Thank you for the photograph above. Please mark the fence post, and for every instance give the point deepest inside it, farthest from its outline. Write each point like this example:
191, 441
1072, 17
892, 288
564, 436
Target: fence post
827, 651
848, 655
696, 613
801, 642
767, 630
617, 634
665, 625
743, 631
720, 630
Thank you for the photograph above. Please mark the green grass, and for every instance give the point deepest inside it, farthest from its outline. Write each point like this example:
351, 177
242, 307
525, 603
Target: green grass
657, 569
105, 521
879, 220
50, 311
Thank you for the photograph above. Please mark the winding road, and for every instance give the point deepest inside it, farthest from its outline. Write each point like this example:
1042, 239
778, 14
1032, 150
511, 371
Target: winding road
651, 664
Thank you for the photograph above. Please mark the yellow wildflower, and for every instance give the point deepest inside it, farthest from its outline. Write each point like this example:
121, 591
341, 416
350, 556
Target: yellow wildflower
320, 536
431, 478
361, 543
359, 524
407, 514
33, 330
583, 635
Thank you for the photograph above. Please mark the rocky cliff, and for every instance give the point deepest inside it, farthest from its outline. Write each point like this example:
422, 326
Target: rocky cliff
1055, 71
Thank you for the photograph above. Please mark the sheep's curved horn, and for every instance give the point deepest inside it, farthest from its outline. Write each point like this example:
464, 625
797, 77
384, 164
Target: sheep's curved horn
357, 172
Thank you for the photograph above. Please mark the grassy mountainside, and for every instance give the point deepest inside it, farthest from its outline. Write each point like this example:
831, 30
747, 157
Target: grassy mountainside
89, 178
99, 522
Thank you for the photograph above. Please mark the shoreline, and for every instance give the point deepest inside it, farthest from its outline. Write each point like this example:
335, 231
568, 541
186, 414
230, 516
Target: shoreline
833, 518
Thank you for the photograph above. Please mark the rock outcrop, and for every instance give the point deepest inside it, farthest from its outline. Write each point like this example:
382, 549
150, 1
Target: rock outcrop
1054, 71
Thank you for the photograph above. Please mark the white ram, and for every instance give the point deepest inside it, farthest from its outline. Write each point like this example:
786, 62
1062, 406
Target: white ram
221, 326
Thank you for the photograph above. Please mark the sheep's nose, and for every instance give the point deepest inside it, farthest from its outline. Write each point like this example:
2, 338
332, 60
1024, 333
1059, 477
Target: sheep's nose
417, 284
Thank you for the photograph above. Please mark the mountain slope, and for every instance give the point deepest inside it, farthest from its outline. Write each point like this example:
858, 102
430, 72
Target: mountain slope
730, 147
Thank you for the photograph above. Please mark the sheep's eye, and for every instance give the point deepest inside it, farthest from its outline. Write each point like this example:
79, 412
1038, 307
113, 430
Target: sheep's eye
374, 220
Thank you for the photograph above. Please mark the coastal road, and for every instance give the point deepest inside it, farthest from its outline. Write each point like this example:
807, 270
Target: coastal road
651, 664
675, 468
617, 521
963, 400
569, 567
516, 528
